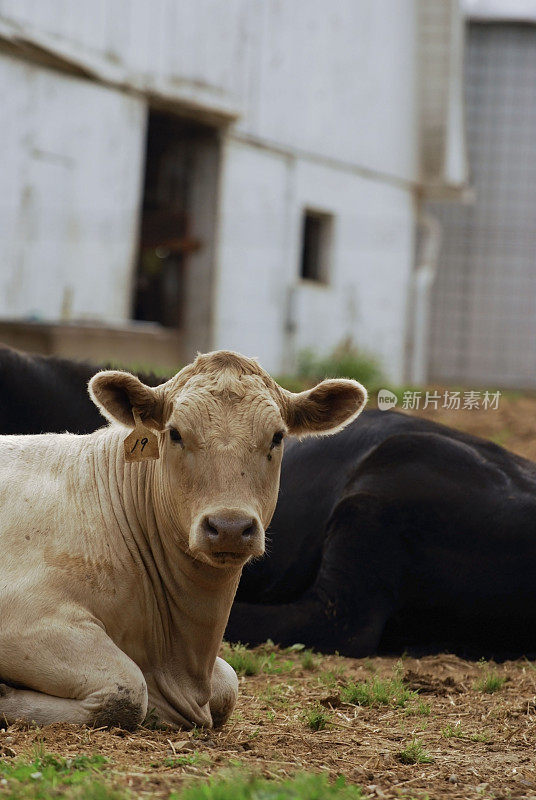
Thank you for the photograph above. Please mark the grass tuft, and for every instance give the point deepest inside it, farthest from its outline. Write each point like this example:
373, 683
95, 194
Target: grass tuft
378, 692
255, 662
422, 709
308, 660
490, 682
483, 736
414, 753
317, 718
453, 731
331, 677
456, 732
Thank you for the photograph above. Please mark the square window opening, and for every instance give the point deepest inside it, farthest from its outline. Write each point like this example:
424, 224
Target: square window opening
317, 228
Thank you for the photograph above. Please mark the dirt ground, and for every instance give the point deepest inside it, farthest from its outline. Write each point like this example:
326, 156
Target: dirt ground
476, 745
512, 425
467, 742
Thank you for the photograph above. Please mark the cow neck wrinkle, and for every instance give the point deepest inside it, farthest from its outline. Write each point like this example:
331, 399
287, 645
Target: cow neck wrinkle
190, 594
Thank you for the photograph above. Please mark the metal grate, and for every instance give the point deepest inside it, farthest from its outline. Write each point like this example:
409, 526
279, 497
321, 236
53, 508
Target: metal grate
483, 327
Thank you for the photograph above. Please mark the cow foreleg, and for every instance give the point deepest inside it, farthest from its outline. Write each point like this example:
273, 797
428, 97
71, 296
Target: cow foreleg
68, 673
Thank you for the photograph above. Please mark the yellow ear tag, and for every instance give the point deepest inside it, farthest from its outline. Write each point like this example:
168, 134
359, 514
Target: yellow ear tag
142, 443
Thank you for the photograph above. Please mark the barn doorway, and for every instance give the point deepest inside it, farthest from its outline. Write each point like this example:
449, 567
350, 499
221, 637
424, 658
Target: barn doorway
169, 233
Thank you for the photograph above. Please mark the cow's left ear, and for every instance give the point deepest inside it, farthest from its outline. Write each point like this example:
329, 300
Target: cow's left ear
117, 394
327, 408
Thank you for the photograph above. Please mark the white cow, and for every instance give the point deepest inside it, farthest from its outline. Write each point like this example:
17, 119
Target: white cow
117, 575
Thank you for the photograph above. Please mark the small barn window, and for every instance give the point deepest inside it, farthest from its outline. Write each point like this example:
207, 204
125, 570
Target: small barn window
316, 246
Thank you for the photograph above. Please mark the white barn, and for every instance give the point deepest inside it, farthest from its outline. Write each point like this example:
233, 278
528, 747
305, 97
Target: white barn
238, 174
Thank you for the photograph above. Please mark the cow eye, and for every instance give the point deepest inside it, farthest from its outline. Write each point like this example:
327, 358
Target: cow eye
175, 436
277, 439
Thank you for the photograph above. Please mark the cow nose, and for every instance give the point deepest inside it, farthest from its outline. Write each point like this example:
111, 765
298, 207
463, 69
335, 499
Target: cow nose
230, 527
230, 534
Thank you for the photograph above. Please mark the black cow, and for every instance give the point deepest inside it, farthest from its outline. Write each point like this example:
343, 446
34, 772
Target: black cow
46, 394
395, 533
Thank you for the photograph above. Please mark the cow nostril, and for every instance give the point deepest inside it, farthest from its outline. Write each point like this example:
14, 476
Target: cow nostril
211, 529
249, 531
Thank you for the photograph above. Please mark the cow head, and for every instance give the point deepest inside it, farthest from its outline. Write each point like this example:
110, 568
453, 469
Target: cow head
221, 424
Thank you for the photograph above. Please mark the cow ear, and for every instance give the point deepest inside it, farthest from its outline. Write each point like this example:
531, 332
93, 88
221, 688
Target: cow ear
117, 394
327, 408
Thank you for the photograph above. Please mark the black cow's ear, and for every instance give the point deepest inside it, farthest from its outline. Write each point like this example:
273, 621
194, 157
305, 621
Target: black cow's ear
327, 408
117, 394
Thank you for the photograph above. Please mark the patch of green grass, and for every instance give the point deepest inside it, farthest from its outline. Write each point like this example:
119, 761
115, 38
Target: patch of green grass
242, 660
453, 731
456, 732
378, 692
483, 736
274, 694
414, 753
48, 776
254, 662
422, 709
490, 682
186, 760
317, 718
308, 660
331, 677
304, 786
345, 361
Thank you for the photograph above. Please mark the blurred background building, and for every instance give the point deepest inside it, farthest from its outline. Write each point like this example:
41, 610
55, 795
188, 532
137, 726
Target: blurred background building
483, 316
184, 175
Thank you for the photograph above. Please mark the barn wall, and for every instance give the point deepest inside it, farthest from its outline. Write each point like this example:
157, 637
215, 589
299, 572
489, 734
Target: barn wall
253, 254
321, 104
262, 307
336, 79
71, 162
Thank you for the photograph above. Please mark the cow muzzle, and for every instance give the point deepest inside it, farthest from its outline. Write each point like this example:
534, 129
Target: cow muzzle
227, 537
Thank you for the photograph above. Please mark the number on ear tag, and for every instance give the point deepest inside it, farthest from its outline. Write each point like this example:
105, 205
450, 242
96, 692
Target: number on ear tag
142, 443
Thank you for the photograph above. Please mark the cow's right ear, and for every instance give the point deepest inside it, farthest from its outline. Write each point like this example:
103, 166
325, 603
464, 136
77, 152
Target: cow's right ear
118, 394
326, 408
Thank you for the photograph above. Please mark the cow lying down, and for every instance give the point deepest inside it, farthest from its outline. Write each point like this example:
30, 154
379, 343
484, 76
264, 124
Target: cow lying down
396, 533
121, 550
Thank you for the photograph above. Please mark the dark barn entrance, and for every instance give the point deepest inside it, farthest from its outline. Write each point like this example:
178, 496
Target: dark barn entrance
167, 238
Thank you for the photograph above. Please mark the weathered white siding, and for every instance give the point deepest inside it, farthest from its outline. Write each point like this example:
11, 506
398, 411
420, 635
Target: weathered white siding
333, 78
259, 292
71, 168
337, 79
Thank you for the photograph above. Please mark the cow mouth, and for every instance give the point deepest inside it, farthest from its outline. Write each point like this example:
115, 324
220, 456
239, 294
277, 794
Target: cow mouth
228, 556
